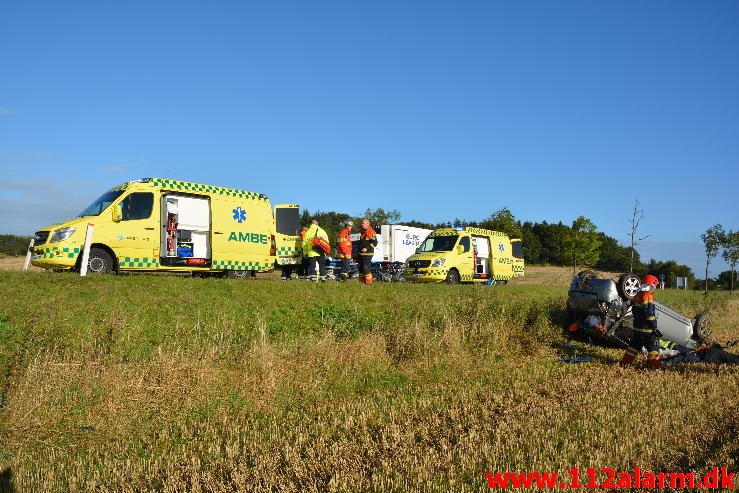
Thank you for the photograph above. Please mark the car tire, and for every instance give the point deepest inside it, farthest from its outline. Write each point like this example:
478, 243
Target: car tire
588, 274
238, 274
99, 262
702, 326
452, 277
628, 285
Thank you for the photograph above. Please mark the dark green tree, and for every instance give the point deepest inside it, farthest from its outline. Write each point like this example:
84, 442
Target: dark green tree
726, 280
380, 216
504, 222
614, 257
552, 237
14, 245
581, 244
419, 224
534, 252
669, 268
330, 221
713, 239
731, 254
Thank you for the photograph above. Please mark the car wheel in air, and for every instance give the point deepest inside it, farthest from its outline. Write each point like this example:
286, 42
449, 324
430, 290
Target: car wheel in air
628, 285
702, 326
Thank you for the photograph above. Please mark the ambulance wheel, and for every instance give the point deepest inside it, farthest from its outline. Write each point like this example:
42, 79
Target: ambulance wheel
452, 277
99, 262
238, 274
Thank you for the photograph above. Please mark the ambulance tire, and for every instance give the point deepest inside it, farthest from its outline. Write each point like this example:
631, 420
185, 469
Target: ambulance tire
452, 277
99, 262
238, 274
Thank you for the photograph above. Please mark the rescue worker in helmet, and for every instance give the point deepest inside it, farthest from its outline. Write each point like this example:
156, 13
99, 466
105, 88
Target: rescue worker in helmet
366, 250
645, 325
345, 249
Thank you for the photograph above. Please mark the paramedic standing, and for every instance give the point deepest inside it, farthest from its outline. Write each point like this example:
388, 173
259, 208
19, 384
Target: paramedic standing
365, 251
316, 259
345, 248
645, 325
303, 267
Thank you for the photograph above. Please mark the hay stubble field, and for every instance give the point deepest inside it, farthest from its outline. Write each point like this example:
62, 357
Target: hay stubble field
163, 383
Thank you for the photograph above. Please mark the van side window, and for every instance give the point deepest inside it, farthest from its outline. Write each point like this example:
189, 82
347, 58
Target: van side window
465, 242
138, 205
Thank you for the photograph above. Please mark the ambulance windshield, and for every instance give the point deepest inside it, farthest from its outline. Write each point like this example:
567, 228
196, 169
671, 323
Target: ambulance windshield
101, 203
437, 244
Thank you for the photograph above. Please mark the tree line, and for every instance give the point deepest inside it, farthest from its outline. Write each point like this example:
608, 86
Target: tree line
578, 245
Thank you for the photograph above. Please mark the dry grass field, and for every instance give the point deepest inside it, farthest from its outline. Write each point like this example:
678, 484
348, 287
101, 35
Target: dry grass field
15, 263
163, 383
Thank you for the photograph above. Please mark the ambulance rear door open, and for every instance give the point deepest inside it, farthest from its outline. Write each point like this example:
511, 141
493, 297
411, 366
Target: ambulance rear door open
481, 246
287, 234
186, 229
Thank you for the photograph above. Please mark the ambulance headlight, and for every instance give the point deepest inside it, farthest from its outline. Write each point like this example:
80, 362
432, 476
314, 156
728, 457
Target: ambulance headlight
438, 262
61, 234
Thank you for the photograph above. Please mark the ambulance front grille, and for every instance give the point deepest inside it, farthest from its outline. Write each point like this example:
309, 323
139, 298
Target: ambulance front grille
419, 264
40, 237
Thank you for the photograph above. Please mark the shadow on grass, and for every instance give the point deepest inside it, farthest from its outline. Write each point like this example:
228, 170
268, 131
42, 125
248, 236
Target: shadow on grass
6, 481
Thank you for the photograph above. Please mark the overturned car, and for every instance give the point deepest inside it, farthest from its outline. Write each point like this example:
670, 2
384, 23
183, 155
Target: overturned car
602, 308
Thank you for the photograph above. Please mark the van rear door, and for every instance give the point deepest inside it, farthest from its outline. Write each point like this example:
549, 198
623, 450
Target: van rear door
287, 234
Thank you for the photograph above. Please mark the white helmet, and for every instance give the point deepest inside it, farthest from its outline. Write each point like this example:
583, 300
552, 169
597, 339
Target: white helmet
348, 222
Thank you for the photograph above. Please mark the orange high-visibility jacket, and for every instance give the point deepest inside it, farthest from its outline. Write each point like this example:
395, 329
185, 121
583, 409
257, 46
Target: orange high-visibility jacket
345, 243
645, 319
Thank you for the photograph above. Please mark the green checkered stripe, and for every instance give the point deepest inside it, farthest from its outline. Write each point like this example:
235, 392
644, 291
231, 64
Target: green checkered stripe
485, 232
237, 265
197, 187
139, 262
287, 251
466, 277
445, 232
501, 278
64, 252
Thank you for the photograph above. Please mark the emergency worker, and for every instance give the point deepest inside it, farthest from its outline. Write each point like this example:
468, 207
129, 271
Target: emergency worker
365, 251
645, 325
303, 267
316, 258
344, 248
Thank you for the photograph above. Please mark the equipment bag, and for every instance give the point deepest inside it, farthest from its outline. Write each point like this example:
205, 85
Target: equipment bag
320, 245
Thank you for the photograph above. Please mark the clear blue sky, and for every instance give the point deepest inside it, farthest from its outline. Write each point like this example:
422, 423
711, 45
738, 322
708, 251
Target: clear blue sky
437, 109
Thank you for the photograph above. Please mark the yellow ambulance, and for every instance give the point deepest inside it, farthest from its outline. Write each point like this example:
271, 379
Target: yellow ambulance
159, 224
455, 255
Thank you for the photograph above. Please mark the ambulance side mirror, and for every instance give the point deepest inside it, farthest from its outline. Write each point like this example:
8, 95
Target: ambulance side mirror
460, 249
117, 213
